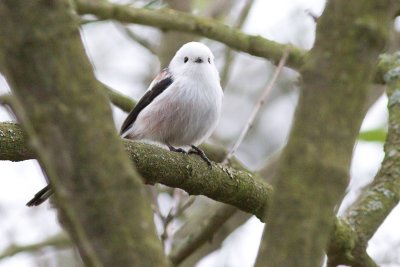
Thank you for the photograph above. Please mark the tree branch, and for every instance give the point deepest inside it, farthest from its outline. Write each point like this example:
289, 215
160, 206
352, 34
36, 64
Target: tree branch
198, 233
147, 157
168, 19
123, 102
231, 186
5, 99
379, 198
136, 38
237, 187
13, 144
58, 241
190, 166
228, 53
69, 126
313, 170
257, 107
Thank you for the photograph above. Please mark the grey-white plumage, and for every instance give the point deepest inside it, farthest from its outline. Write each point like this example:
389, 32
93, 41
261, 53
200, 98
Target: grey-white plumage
181, 107
183, 103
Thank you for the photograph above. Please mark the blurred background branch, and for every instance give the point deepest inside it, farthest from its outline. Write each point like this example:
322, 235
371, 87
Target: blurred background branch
316, 161
379, 198
168, 19
58, 241
228, 54
68, 124
208, 223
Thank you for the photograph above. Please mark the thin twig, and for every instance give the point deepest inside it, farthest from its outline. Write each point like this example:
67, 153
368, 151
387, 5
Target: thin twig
201, 233
58, 241
166, 220
312, 15
228, 55
185, 205
202, 227
167, 19
154, 206
174, 213
179, 209
258, 106
136, 38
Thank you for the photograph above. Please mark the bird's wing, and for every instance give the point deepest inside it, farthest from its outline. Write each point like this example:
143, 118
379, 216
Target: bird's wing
161, 82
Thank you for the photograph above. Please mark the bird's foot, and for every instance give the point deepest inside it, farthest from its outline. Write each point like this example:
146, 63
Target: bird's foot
198, 151
174, 149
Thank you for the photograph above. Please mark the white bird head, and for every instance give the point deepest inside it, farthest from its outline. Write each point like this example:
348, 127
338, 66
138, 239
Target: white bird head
194, 60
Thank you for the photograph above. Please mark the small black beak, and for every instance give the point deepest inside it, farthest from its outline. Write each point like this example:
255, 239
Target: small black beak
198, 60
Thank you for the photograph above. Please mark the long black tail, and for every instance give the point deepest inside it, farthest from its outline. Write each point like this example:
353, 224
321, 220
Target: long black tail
40, 196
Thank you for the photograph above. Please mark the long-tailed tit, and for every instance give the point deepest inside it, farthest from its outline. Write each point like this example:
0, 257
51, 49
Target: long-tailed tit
182, 105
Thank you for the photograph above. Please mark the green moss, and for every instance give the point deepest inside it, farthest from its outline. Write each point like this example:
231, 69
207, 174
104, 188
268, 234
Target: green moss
314, 168
13, 144
236, 187
69, 125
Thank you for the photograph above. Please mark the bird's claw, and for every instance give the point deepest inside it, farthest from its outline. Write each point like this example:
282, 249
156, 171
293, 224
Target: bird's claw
198, 151
179, 150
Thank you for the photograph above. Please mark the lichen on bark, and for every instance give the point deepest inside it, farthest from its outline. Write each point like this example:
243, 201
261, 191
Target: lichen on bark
69, 127
313, 171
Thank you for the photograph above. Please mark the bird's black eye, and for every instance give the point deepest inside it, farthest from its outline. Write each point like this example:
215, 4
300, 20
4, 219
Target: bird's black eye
185, 59
209, 60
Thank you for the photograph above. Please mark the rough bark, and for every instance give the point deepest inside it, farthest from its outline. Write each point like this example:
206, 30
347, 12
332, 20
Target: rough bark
365, 25
232, 185
313, 171
343, 240
377, 200
69, 126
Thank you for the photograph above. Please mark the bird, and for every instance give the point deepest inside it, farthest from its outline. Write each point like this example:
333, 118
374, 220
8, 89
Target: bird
182, 105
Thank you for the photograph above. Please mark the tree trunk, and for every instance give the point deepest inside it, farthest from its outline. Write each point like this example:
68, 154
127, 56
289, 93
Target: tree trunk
313, 171
100, 198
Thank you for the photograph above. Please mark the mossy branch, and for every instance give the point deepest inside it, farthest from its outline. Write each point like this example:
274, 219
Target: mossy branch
239, 188
313, 170
378, 199
123, 102
201, 26
168, 19
69, 125
14, 147
236, 187
188, 173
13, 144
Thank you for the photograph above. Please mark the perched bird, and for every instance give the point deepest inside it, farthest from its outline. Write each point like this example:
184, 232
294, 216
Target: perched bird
182, 105
180, 108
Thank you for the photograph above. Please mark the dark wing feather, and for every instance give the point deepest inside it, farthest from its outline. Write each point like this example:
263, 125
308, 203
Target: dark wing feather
160, 83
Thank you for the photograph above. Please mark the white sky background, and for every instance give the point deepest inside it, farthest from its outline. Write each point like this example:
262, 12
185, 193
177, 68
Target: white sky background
124, 65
